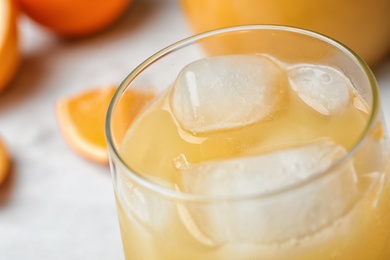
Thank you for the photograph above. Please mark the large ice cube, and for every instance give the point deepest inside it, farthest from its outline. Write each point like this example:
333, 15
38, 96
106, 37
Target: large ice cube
226, 92
290, 215
323, 88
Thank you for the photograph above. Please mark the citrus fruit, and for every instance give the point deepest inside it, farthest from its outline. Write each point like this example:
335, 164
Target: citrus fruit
74, 17
4, 162
9, 49
363, 26
81, 119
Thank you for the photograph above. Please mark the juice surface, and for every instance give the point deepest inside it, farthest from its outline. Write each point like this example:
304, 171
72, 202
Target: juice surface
156, 146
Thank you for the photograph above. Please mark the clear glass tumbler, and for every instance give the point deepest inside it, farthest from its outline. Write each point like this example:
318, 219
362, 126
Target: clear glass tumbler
200, 171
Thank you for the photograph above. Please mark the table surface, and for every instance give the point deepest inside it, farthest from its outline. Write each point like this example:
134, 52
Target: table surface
56, 205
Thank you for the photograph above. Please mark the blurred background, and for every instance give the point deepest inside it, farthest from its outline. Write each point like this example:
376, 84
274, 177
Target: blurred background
55, 204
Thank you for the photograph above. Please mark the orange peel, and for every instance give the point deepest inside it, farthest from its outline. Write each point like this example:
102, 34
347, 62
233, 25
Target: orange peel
74, 18
4, 162
9, 48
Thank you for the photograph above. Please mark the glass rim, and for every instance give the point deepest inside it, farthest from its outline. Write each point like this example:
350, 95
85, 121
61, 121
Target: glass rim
184, 196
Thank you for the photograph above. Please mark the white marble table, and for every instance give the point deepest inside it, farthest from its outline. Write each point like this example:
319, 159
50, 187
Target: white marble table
60, 206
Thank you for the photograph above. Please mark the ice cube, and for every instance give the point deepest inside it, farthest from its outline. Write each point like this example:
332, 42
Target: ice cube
283, 216
226, 92
323, 88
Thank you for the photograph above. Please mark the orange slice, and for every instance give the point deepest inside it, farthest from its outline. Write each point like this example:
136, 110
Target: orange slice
9, 49
4, 162
81, 119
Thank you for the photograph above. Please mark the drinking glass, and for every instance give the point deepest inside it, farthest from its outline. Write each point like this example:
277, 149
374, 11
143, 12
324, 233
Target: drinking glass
340, 212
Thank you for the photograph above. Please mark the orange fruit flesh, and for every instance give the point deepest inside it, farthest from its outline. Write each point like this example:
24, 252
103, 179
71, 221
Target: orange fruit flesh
82, 118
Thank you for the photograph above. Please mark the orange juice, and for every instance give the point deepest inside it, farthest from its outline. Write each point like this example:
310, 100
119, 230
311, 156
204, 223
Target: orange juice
268, 157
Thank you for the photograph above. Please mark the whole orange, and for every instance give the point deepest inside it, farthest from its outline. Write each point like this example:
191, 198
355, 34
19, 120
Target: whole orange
363, 25
74, 17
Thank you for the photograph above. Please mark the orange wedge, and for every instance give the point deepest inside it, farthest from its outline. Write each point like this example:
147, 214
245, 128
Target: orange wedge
4, 162
81, 119
9, 49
